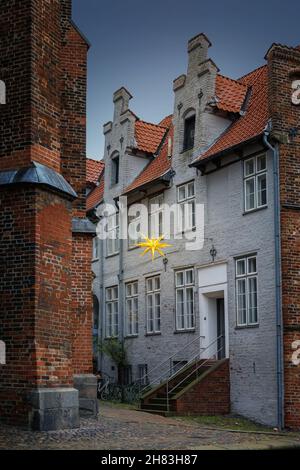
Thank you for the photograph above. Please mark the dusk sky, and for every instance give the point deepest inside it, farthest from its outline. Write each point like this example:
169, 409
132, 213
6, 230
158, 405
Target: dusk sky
142, 45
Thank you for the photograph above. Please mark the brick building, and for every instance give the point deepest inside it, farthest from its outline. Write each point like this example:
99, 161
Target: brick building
45, 238
232, 146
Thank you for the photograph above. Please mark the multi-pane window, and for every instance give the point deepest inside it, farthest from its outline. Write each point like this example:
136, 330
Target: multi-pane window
189, 132
96, 248
143, 374
112, 312
186, 207
246, 291
132, 308
185, 316
136, 220
153, 305
156, 216
112, 242
255, 182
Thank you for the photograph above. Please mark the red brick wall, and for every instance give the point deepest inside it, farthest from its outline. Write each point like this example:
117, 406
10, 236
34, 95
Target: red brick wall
35, 295
210, 396
45, 292
82, 304
283, 62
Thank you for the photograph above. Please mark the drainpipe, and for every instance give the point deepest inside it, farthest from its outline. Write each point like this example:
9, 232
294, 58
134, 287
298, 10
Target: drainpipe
101, 332
121, 279
279, 319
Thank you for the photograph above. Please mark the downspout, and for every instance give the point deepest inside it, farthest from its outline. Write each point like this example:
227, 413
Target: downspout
279, 319
121, 278
101, 332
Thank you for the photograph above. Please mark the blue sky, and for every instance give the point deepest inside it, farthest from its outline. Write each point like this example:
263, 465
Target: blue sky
142, 46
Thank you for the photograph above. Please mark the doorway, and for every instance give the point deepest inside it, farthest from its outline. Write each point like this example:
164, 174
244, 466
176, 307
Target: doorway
221, 328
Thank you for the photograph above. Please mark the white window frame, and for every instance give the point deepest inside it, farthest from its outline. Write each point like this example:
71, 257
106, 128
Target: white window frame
156, 216
183, 207
246, 277
132, 314
112, 312
112, 241
184, 287
152, 291
132, 244
255, 176
96, 249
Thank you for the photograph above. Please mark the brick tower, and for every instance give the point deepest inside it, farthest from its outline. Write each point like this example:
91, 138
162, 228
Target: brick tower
284, 102
45, 240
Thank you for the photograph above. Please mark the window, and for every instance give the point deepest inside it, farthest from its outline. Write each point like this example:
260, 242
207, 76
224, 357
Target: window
143, 374
185, 318
137, 221
112, 242
132, 308
115, 170
153, 305
246, 291
95, 315
96, 247
112, 312
255, 182
186, 207
128, 375
189, 132
156, 216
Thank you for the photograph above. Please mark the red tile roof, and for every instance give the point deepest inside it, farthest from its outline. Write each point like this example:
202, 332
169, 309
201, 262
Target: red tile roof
148, 136
157, 167
96, 195
94, 170
253, 123
230, 94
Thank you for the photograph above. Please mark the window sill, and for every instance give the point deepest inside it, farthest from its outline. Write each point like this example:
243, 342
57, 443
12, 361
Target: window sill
131, 336
112, 256
95, 260
255, 210
178, 332
153, 334
185, 150
247, 327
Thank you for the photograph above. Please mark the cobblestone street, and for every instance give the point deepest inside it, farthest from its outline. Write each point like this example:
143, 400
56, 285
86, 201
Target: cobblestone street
120, 429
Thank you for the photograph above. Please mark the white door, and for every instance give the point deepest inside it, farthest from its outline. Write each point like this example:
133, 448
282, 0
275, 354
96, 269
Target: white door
213, 311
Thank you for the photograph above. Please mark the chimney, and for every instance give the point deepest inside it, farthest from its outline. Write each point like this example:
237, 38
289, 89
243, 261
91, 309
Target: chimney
65, 14
121, 100
197, 50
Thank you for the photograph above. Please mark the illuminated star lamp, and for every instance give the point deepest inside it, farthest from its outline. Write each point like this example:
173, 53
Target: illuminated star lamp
153, 245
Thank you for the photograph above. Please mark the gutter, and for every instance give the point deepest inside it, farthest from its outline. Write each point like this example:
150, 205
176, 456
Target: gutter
279, 318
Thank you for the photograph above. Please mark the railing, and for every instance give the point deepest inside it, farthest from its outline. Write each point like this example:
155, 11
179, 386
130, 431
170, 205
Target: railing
165, 368
195, 370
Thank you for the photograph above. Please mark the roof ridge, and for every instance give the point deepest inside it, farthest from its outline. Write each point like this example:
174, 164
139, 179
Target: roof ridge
249, 73
232, 80
152, 124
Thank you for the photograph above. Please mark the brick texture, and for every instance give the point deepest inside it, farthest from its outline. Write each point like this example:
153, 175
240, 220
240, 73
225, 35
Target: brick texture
284, 66
45, 293
210, 396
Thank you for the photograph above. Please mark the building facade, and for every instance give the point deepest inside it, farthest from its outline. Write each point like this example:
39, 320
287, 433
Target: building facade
228, 152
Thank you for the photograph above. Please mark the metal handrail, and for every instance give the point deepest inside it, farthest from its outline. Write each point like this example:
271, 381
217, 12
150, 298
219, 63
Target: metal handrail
167, 361
198, 355
192, 372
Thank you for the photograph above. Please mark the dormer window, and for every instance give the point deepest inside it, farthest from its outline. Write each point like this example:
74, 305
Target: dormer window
189, 132
115, 169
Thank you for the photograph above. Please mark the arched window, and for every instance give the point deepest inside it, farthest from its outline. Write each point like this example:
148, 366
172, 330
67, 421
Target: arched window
189, 130
2, 92
115, 169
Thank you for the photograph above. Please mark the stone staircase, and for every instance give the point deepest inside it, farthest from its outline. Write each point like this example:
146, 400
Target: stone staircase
201, 387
